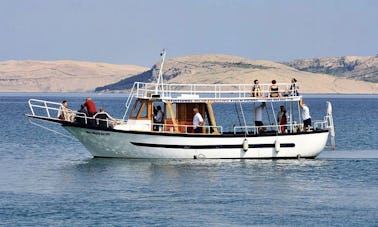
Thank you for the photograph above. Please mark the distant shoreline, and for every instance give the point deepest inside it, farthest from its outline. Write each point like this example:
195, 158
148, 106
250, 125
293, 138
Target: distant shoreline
95, 94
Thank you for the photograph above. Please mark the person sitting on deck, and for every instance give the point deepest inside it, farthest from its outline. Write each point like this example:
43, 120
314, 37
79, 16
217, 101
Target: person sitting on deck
64, 112
273, 90
91, 107
294, 88
256, 89
81, 114
104, 119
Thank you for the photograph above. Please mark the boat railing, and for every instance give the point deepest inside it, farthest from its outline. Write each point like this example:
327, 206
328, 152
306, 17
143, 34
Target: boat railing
212, 91
52, 110
186, 129
323, 124
277, 128
42, 108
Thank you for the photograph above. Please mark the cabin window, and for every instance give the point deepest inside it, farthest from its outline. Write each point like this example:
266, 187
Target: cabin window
140, 109
135, 109
168, 113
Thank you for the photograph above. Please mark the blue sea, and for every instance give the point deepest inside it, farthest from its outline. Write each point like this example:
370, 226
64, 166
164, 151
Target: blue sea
47, 179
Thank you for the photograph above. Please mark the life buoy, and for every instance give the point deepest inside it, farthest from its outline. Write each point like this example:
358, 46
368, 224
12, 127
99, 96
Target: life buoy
245, 145
277, 145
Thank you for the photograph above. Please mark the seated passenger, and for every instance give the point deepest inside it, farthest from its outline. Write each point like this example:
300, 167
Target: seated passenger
81, 114
65, 113
91, 107
256, 89
104, 120
294, 88
273, 90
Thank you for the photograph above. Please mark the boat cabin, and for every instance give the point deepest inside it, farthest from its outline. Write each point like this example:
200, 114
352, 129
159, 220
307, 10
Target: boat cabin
177, 117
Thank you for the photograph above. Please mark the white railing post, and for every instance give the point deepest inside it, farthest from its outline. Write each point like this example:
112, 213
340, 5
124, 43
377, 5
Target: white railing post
47, 110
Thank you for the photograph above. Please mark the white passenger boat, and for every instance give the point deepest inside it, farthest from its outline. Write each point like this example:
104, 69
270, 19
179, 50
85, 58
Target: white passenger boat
136, 135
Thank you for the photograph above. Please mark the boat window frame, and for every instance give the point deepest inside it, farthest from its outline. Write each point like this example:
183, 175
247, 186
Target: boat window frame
142, 110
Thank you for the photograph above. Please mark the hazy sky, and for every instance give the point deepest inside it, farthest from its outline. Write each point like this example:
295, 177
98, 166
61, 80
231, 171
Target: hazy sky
135, 31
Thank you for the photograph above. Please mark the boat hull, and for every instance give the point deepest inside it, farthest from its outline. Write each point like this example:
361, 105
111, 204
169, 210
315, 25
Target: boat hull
132, 144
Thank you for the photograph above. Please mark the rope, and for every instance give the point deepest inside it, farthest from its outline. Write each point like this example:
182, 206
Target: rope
237, 113
245, 123
51, 130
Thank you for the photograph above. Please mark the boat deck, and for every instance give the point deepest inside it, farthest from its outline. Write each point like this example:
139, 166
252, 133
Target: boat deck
197, 93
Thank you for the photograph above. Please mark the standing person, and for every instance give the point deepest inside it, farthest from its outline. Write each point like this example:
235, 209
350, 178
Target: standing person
258, 117
158, 118
305, 115
197, 120
282, 119
91, 107
256, 89
294, 88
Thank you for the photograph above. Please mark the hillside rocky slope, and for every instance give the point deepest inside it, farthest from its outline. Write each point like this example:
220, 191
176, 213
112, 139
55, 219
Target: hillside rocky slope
351, 67
215, 69
60, 76
348, 76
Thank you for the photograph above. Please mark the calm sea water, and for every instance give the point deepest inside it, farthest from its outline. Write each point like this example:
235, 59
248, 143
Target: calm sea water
50, 180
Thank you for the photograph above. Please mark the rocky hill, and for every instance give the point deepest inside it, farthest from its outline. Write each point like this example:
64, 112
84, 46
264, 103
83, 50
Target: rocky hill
213, 69
351, 67
61, 76
75, 76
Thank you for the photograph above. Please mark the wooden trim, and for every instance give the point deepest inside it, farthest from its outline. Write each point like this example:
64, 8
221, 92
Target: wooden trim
173, 116
212, 117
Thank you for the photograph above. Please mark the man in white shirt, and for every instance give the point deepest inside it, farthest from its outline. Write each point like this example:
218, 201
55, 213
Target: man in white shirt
306, 117
197, 121
258, 116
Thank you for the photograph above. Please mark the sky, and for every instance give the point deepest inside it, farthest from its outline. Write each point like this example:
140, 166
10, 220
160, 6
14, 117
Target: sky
135, 31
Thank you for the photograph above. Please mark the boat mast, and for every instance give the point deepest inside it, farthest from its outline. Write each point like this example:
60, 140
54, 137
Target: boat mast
160, 76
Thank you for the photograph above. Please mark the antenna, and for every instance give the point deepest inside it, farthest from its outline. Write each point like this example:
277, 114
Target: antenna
160, 76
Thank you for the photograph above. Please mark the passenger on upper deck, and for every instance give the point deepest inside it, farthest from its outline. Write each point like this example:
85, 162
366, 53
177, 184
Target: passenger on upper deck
256, 89
273, 90
197, 120
294, 88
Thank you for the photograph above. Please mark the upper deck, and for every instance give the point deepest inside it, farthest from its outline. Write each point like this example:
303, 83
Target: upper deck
197, 93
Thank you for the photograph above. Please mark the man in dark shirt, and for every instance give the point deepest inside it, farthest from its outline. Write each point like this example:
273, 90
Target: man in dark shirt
104, 119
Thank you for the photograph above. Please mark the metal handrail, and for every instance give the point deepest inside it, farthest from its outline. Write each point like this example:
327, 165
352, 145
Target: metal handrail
297, 127
54, 107
170, 128
211, 90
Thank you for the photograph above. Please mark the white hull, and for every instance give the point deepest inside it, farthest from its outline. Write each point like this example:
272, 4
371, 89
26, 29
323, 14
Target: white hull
121, 144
